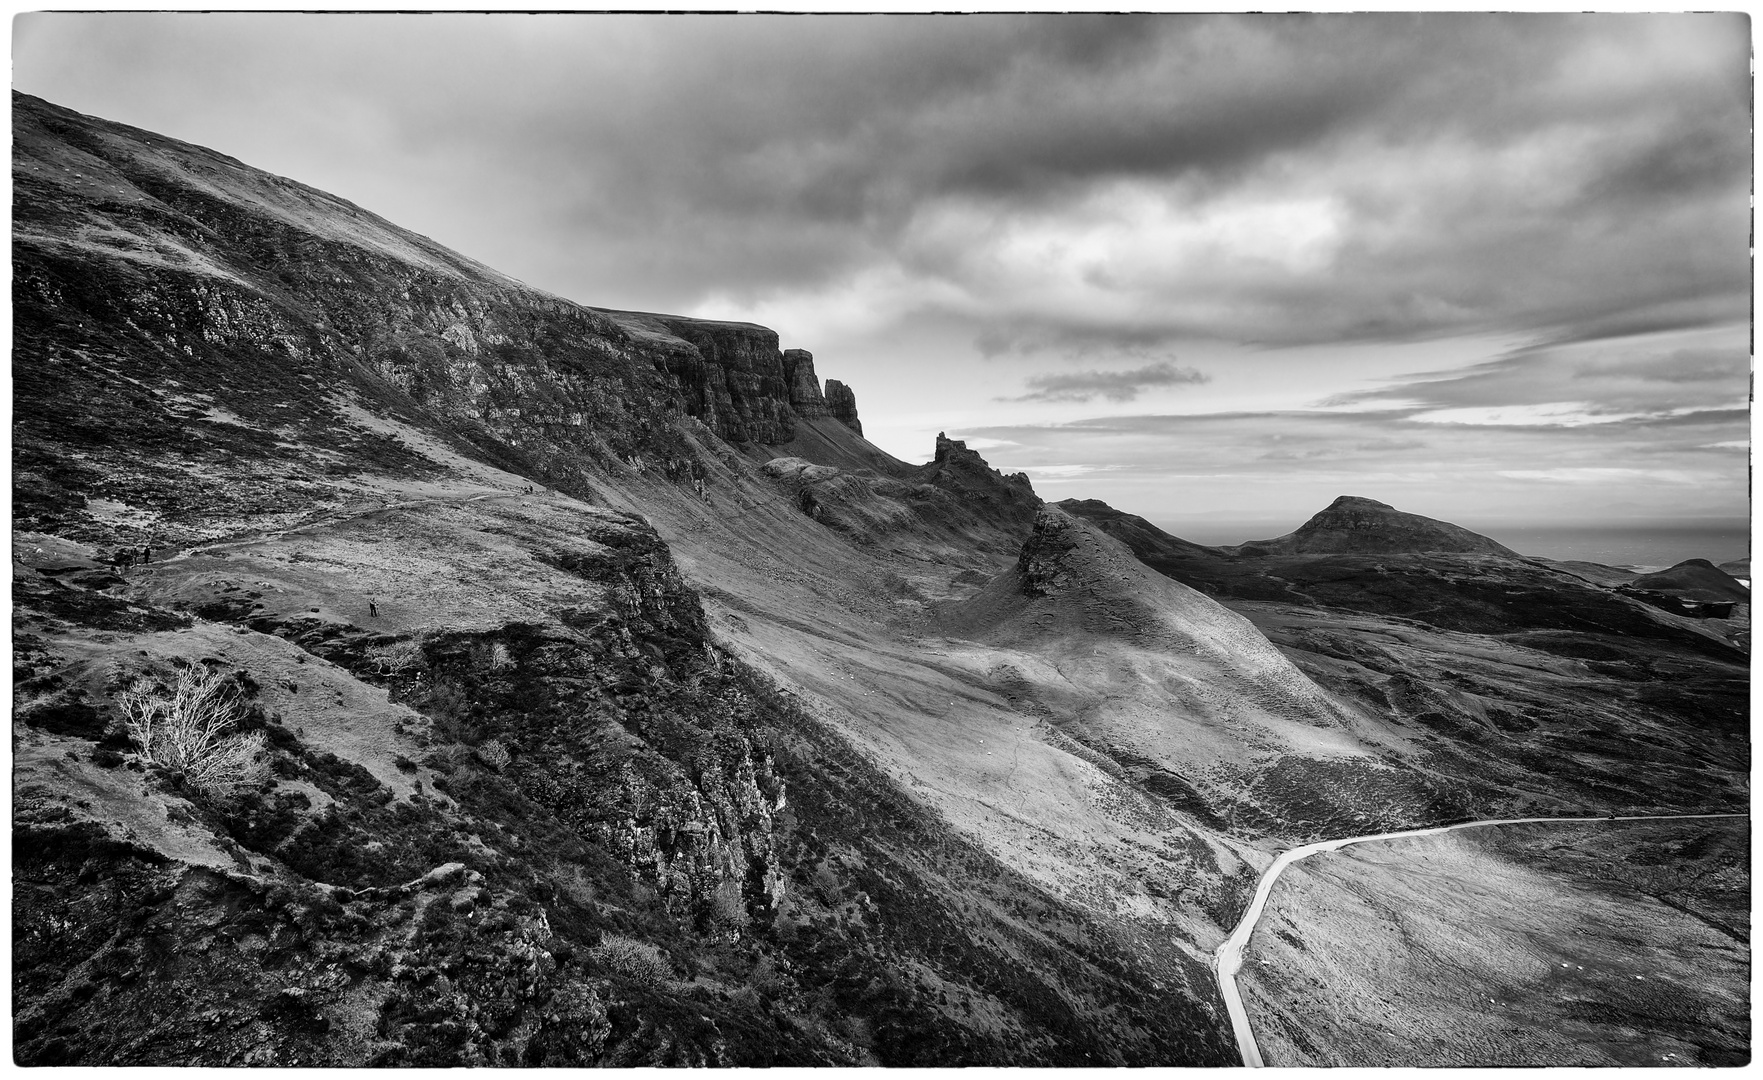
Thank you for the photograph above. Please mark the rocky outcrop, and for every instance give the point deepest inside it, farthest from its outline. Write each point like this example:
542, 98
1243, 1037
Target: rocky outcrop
1352, 525
527, 811
1045, 563
142, 264
957, 469
956, 498
806, 398
737, 384
842, 404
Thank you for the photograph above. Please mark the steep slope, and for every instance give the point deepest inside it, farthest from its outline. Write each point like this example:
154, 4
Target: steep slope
538, 707
1162, 682
1351, 525
623, 704
180, 290
532, 800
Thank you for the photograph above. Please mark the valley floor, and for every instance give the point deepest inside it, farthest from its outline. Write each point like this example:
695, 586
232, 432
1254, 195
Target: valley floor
1607, 943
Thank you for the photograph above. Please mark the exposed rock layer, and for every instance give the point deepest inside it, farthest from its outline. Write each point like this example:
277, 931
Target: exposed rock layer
210, 257
525, 809
842, 403
806, 398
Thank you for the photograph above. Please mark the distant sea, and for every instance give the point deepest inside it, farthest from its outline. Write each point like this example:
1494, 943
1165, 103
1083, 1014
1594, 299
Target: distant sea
1652, 545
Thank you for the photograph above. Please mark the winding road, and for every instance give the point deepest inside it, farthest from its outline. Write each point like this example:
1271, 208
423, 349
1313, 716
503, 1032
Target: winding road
1228, 957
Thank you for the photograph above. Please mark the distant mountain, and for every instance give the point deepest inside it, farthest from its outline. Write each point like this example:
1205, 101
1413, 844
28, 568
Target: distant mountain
1352, 525
600, 696
1738, 568
1519, 674
1694, 579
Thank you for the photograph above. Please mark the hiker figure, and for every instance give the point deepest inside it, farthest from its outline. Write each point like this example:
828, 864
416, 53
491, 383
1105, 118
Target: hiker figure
146, 554
373, 609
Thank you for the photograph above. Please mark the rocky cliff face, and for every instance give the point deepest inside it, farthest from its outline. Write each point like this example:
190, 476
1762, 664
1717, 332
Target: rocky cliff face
737, 383
842, 404
806, 398
555, 824
132, 250
519, 805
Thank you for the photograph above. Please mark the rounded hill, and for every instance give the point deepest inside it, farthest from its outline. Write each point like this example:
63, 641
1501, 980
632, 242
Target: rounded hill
1356, 526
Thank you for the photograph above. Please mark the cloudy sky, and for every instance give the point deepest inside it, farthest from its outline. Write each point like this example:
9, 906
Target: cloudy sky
1206, 268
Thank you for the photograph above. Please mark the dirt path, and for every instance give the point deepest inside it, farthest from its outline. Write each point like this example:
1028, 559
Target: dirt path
337, 519
1228, 957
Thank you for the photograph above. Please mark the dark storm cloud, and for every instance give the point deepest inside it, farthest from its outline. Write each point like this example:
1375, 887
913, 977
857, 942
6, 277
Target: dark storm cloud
1540, 173
1567, 194
1114, 385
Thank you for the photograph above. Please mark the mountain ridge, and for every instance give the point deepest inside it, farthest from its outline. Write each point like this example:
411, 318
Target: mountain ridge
546, 667
600, 729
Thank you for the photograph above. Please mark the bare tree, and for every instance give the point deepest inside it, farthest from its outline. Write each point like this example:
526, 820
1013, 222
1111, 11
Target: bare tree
189, 728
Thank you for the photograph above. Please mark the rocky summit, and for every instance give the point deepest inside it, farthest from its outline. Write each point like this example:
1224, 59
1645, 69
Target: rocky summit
415, 668
1365, 526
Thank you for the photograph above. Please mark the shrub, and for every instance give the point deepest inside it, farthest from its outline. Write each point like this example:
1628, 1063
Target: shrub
397, 658
493, 755
189, 728
634, 960
448, 706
